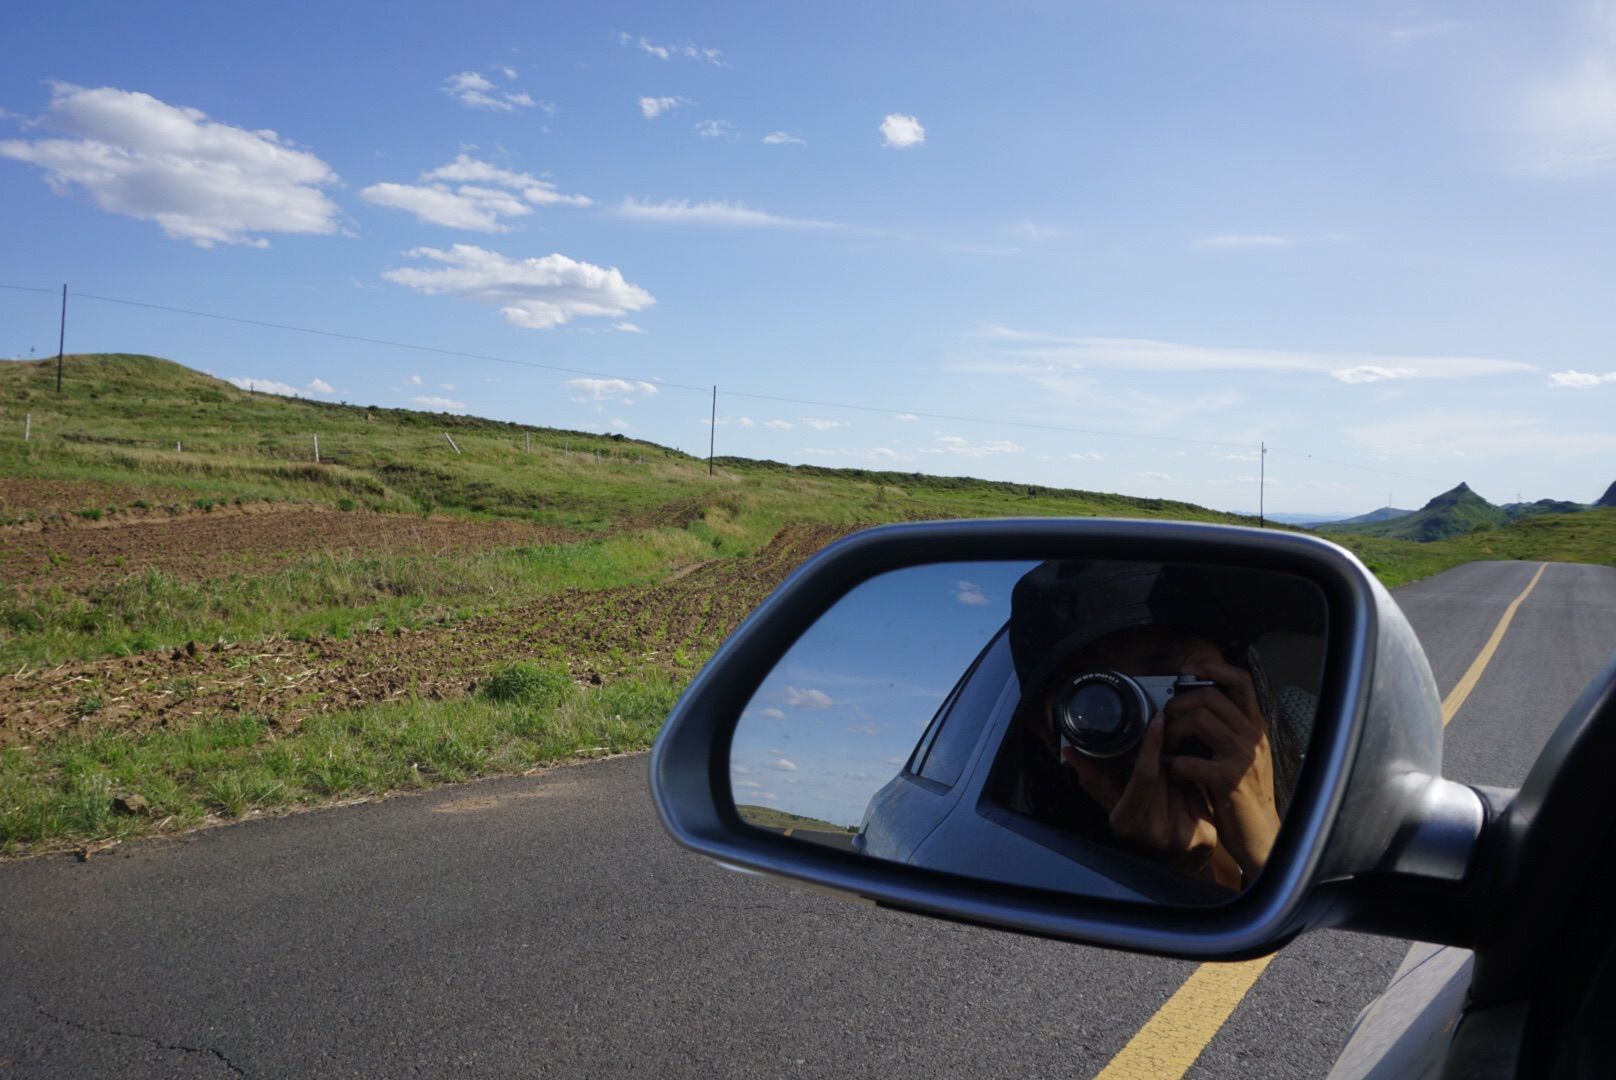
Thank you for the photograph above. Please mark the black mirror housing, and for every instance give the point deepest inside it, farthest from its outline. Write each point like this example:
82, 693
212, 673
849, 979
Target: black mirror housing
1370, 802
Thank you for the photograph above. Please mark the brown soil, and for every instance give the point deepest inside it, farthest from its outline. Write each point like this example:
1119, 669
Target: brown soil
251, 539
600, 633
25, 499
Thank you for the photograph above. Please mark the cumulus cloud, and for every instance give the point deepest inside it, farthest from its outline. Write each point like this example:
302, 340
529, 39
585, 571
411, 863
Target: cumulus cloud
414, 380
653, 107
807, 699
783, 764
783, 138
628, 328
969, 594
732, 215
538, 293
281, 389
822, 425
901, 131
198, 179
1086, 455
483, 195
441, 404
907, 418
1228, 241
1040, 355
680, 50
624, 390
476, 91
1580, 380
779, 425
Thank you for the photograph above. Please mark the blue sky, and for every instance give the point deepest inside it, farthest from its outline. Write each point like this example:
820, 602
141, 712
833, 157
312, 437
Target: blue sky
1376, 234
840, 714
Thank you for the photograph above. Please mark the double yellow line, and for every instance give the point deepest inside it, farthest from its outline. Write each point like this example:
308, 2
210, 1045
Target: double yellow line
1171, 1040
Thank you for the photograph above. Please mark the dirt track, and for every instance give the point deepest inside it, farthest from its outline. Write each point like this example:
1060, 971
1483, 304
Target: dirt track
598, 633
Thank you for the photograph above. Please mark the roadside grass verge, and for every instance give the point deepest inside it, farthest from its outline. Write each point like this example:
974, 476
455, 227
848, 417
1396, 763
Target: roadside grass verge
322, 595
67, 791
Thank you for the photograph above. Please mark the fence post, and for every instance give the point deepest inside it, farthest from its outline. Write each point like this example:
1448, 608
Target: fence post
317, 449
527, 442
27, 427
451, 442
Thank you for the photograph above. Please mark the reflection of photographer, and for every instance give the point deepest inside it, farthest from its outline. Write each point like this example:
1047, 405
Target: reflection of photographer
1147, 718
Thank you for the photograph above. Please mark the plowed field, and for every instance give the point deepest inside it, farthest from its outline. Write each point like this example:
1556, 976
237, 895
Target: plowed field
252, 539
600, 633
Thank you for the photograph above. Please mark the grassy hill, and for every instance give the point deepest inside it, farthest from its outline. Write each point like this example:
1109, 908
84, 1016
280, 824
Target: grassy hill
195, 612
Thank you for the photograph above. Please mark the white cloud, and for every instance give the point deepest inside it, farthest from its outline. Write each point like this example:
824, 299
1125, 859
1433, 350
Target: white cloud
198, 179
490, 195
414, 380
273, 386
1034, 233
772, 714
823, 425
1368, 373
441, 404
1057, 354
466, 169
728, 214
612, 389
783, 138
682, 50
783, 764
970, 594
715, 129
1227, 241
907, 418
807, 699
628, 328
619, 424
902, 131
1440, 433
955, 444
653, 107
1158, 477
1580, 380
750, 785
536, 293
475, 91
1567, 121
1087, 455
1404, 35
779, 425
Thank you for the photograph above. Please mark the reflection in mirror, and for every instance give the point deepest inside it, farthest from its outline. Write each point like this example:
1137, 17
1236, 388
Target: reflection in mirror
1117, 729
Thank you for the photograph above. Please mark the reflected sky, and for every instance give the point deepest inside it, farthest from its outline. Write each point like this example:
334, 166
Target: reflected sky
841, 712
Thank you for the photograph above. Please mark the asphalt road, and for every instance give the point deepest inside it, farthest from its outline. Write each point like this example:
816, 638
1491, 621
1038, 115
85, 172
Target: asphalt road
544, 926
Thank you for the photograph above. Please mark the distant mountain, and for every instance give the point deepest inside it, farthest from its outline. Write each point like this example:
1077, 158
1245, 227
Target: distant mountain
1304, 519
1452, 513
1609, 497
1516, 511
1385, 513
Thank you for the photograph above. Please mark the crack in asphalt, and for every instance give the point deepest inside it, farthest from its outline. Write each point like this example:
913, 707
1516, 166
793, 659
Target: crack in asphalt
97, 1029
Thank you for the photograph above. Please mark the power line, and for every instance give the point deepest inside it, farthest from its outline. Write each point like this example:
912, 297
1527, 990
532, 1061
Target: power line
781, 399
370, 340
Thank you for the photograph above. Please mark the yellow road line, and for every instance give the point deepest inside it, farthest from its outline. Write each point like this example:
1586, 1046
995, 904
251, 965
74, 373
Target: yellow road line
1170, 1041
1461, 689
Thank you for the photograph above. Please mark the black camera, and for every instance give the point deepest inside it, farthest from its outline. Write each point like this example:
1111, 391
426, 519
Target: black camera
1103, 713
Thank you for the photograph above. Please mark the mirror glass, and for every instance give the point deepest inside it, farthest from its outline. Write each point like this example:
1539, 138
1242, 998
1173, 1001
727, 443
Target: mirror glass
1130, 730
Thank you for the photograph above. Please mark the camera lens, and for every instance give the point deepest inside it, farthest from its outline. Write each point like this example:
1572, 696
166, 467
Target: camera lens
1102, 714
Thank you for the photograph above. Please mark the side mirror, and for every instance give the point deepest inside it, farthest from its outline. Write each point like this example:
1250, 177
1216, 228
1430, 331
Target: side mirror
1183, 739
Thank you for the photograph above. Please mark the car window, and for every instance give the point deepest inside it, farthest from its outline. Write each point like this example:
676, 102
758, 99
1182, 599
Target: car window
947, 745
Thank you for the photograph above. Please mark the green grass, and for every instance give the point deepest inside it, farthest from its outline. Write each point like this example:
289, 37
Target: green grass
226, 766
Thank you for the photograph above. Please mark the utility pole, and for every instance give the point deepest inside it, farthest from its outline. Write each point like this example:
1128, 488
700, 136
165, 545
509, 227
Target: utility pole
712, 431
1262, 485
61, 339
